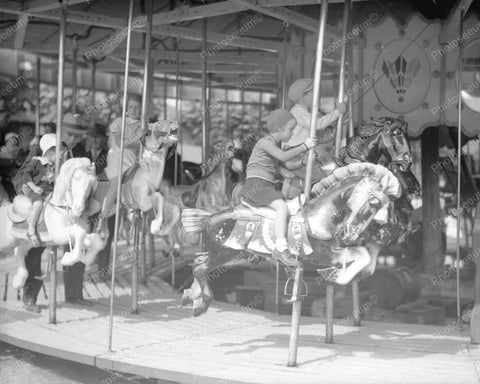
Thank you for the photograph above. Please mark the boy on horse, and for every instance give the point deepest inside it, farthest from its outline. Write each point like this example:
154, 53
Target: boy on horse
133, 135
35, 180
301, 94
263, 169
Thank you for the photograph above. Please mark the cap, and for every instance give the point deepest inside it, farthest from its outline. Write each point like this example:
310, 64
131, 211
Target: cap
277, 119
298, 88
72, 123
47, 141
11, 135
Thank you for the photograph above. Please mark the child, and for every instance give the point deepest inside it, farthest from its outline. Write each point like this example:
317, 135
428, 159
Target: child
36, 179
262, 171
301, 94
132, 140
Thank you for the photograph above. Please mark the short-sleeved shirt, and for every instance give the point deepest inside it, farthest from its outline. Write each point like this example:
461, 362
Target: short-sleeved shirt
261, 164
302, 130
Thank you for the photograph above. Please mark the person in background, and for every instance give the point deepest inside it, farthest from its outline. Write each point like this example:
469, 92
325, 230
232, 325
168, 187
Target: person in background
11, 158
98, 153
73, 133
263, 171
301, 94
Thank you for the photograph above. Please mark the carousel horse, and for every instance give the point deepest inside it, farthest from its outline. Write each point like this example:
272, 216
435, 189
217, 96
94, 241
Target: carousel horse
140, 186
383, 138
209, 193
327, 230
64, 219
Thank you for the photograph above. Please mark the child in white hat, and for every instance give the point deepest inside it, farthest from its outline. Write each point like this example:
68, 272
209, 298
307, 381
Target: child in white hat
35, 180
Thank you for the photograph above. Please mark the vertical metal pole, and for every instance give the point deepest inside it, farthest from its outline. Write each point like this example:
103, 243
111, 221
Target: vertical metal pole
52, 304
37, 97
120, 167
329, 315
260, 104
206, 112
165, 91
227, 115
93, 89
145, 114
177, 106
74, 73
136, 239
359, 102
341, 85
351, 72
296, 311
356, 303
459, 158
316, 94
284, 71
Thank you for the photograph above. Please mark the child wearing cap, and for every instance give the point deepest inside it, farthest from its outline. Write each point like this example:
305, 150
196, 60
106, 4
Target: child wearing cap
263, 170
301, 94
35, 180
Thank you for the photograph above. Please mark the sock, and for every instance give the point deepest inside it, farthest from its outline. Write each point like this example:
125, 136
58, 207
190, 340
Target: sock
281, 244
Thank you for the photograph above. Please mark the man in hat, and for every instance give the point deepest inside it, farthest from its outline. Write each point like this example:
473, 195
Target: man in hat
301, 94
97, 137
73, 133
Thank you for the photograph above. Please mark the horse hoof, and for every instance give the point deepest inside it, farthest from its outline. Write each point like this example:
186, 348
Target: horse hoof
155, 227
187, 296
20, 278
201, 305
69, 259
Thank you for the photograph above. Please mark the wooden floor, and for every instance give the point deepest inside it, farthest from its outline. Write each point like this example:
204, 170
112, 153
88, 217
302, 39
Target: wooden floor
232, 344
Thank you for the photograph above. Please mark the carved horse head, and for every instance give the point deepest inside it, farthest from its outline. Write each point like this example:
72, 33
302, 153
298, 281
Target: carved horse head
382, 136
349, 199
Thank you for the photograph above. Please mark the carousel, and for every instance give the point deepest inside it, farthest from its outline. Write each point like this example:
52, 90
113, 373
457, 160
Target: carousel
405, 84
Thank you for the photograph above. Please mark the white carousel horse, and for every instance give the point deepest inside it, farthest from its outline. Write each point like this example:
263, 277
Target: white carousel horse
65, 217
141, 190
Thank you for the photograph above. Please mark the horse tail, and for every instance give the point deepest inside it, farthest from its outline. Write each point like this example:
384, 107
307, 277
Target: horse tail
192, 219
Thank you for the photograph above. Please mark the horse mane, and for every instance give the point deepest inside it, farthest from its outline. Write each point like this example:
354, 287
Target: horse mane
66, 173
386, 178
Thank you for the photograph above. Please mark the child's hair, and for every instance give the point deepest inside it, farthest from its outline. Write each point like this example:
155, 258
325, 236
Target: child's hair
134, 97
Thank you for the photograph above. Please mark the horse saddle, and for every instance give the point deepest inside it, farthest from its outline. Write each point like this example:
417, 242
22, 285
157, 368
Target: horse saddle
258, 235
293, 206
18, 213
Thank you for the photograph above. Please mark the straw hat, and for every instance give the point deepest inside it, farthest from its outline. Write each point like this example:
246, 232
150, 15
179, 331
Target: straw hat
72, 123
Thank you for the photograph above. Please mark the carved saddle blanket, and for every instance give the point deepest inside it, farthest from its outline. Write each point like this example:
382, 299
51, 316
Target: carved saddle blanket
244, 228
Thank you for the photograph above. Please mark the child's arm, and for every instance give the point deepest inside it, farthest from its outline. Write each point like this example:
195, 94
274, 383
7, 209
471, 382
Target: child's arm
27, 176
284, 156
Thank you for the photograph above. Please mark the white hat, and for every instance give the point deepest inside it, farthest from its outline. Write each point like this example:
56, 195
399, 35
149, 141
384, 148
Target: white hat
11, 135
47, 141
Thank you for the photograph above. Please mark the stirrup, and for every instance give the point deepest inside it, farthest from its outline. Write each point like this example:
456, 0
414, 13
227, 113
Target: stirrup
286, 293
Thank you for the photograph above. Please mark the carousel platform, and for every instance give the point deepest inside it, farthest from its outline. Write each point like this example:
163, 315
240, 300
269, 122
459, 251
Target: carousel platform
232, 344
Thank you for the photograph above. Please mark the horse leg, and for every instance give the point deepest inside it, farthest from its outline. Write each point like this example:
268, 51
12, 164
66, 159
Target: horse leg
75, 255
361, 260
200, 292
158, 203
21, 275
93, 244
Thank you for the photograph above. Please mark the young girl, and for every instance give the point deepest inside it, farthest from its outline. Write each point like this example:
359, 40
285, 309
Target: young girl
262, 171
36, 180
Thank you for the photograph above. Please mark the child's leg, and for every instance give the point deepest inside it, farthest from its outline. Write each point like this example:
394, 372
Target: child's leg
110, 198
280, 206
33, 217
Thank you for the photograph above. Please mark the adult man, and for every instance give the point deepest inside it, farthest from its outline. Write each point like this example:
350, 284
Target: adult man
73, 132
301, 94
97, 137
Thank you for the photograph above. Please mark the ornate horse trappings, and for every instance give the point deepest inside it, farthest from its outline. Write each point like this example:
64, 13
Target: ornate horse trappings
327, 230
